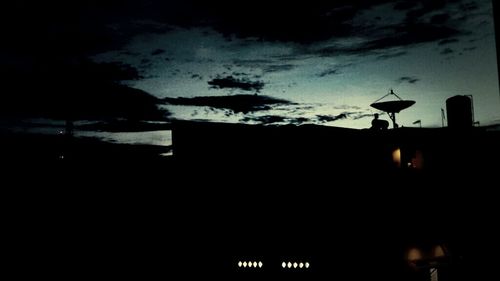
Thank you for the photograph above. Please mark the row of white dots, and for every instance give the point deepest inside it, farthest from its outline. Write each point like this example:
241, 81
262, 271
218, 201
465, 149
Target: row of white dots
259, 264
295, 265
250, 264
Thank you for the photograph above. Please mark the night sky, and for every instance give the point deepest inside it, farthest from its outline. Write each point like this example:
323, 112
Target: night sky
84, 84
257, 62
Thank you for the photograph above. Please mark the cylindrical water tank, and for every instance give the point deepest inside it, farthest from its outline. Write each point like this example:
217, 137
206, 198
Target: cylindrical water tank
460, 112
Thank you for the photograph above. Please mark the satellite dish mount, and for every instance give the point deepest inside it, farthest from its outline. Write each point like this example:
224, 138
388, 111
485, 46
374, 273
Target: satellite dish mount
392, 107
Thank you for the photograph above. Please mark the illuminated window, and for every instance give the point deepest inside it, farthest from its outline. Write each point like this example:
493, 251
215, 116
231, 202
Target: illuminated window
396, 157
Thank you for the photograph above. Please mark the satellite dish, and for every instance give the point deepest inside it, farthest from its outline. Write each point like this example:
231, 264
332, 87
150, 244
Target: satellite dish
392, 107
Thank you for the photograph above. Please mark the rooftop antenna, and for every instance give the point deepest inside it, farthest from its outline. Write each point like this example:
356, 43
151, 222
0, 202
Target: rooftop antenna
443, 117
392, 107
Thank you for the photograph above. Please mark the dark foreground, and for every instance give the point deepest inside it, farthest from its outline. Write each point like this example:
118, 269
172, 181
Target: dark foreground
333, 197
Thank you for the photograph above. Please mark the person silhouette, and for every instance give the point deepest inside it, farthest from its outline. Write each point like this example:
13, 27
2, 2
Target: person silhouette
378, 124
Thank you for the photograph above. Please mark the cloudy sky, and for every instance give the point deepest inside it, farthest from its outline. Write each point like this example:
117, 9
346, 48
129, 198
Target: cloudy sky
277, 62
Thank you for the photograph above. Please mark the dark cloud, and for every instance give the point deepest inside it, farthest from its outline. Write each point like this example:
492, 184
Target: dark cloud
267, 119
274, 119
197, 77
299, 120
405, 5
175, 72
470, 48
267, 66
89, 27
330, 118
424, 8
358, 115
329, 72
250, 63
448, 41
235, 103
392, 55
129, 53
125, 126
447, 51
157, 52
347, 107
279, 22
440, 19
64, 29
278, 67
240, 74
469, 6
96, 93
355, 115
411, 35
424, 22
275, 23
403, 35
102, 72
81, 28
230, 82
411, 80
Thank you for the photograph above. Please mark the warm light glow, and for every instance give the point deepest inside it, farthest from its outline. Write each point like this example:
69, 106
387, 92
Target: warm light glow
396, 157
289, 265
255, 264
295, 265
414, 254
260, 264
301, 265
283, 264
240, 264
244, 264
307, 265
438, 252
